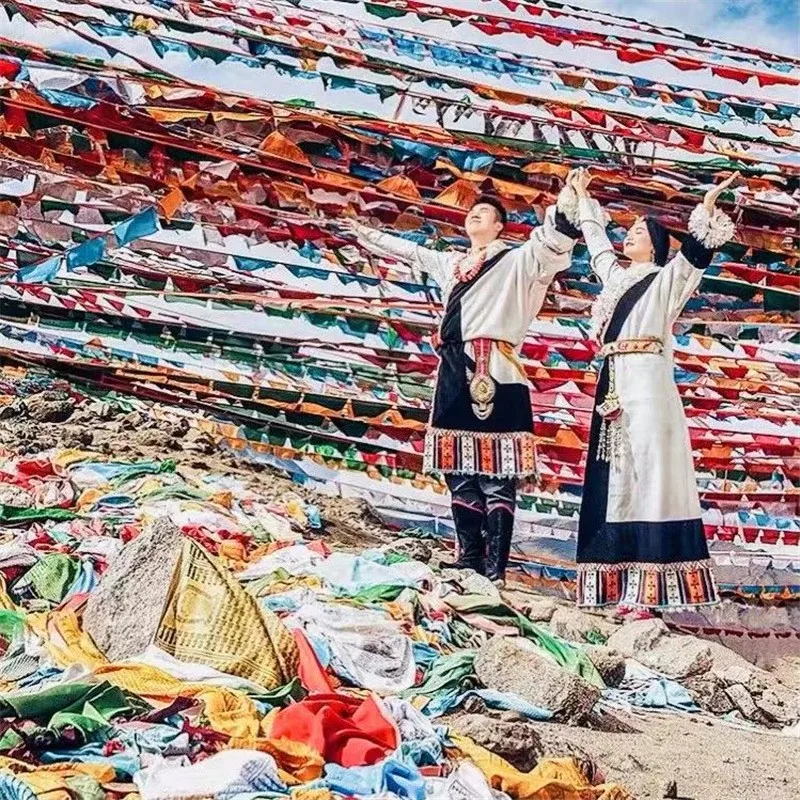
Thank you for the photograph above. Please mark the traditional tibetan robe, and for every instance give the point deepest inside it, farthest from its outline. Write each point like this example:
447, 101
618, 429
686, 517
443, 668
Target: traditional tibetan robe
641, 540
481, 420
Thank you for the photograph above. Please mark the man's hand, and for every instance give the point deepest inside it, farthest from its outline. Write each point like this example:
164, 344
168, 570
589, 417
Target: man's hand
579, 179
712, 195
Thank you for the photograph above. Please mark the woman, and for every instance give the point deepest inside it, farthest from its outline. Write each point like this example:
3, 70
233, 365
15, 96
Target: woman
641, 542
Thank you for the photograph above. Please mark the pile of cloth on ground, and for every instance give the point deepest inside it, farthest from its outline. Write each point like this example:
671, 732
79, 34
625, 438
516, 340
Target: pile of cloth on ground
275, 664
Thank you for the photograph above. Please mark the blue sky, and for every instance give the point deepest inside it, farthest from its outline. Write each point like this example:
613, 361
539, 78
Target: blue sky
772, 25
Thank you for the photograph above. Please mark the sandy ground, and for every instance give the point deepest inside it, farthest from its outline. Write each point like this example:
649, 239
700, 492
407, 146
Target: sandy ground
707, 761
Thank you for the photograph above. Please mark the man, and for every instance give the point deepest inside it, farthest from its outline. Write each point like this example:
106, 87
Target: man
481, 426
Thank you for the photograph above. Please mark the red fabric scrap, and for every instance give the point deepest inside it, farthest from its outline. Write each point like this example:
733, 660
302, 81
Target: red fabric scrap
311, 673
343, 730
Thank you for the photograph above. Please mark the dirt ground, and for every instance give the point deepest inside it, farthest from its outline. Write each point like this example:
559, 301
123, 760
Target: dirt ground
707, 760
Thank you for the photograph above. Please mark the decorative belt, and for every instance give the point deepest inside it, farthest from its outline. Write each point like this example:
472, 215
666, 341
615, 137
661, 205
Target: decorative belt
482, 387
647, 344
611, 445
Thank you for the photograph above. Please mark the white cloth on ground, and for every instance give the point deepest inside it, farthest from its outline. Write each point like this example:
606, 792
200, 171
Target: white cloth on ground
221, 776
367, 647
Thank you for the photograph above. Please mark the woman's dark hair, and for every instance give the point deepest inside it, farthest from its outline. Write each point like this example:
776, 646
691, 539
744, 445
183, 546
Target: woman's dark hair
659, 236
488, 200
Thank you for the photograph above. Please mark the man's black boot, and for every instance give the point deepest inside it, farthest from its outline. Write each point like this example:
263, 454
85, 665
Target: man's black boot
469, 532
499, 529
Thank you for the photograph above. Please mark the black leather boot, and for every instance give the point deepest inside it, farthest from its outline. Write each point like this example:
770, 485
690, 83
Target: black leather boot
469, 531
499, 529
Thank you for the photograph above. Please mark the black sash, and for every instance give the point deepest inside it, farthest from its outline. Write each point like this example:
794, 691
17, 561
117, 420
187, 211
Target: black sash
621, 313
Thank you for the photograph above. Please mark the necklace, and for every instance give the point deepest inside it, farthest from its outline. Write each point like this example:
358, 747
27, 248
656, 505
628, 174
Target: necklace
468, 266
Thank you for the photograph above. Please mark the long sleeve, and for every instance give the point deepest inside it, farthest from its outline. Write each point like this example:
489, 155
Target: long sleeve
420, 259
682, 274
548, 251
593, 225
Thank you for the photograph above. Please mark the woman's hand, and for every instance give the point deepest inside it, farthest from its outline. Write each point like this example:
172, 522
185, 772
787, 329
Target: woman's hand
712, 195
579, 179
349, 225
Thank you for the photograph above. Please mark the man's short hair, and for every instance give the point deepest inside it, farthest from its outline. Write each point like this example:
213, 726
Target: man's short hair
488, 200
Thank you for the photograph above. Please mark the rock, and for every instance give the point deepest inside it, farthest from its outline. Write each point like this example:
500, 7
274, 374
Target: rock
637, 637
609, 663
575, 625
196, 441
709, 693
77, 437
12, 409
779, 705
741, 698
415, 549
50, 407
123, 613
557, 744
153, 438
475, 705
516, 742
717, 702
650, 642
133, 421
177, 428
513, 664
540, 609
717, 677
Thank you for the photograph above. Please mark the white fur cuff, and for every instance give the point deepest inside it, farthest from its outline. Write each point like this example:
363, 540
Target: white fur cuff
711, 232
567, 204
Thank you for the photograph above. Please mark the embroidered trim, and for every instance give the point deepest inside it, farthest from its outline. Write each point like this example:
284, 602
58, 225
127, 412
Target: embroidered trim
646, 344
499, 455
674, 566
711, 231
603, 308
482, 387
480, 434
654, 586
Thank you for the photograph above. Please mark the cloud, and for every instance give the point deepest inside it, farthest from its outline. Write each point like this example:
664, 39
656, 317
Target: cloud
771, 25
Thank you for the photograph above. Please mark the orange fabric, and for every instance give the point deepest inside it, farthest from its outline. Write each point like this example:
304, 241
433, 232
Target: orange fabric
277, 144
461, 194
400, 185
547, 169
171, 202
175, 114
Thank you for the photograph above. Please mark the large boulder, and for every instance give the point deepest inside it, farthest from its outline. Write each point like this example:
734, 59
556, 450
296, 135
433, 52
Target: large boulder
123, 613
514, 664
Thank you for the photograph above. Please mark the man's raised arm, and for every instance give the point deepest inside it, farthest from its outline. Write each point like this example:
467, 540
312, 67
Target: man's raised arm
420, 259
